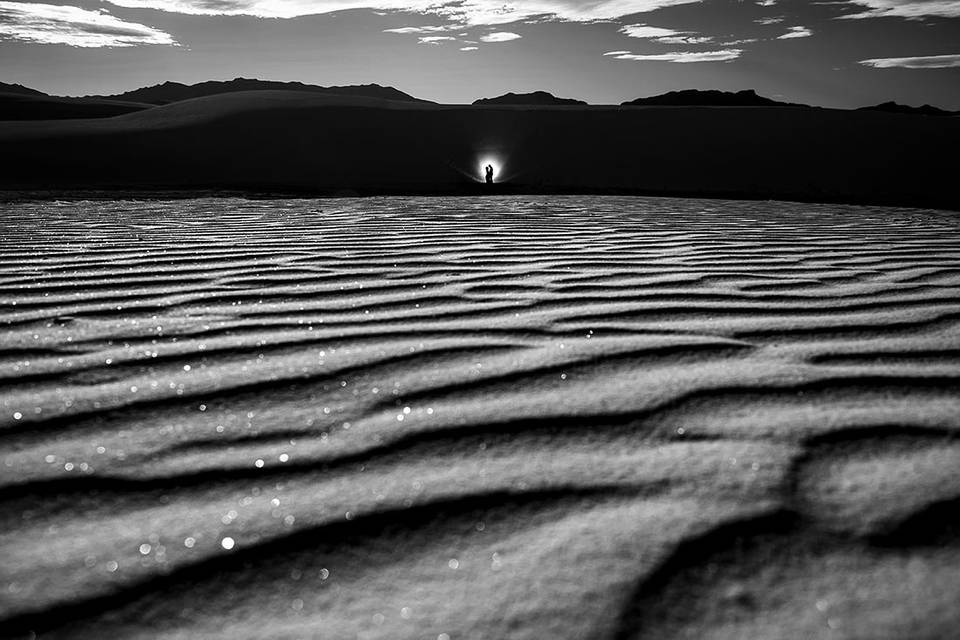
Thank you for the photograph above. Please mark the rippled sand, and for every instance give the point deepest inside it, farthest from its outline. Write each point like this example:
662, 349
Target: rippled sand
479, 418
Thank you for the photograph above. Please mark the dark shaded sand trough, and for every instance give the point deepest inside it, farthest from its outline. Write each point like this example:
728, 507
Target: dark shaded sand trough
573, 417
296, 142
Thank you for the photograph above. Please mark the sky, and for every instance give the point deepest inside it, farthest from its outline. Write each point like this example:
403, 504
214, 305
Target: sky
834, 53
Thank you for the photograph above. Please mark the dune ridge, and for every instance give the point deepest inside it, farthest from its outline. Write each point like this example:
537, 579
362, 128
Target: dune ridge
296, 143
511, 417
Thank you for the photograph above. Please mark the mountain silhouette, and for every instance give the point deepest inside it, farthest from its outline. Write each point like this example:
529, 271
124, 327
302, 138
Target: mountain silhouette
925, 110
710, 98
19, 89
174, 91
18, 102
539, 98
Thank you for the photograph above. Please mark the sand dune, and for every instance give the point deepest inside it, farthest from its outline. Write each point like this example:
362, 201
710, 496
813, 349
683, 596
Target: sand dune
277, 141
563, 417
24, 106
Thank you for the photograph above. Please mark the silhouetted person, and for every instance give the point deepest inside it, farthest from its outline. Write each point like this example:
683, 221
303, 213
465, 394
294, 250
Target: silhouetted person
489, 174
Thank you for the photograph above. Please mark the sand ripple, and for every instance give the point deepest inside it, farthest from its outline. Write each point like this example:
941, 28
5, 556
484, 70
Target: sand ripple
563, 417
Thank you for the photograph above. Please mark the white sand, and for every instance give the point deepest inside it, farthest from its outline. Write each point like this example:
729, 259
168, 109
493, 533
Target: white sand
479, 418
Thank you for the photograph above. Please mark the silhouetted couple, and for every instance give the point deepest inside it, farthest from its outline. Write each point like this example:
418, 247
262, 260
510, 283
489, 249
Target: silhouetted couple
489, 174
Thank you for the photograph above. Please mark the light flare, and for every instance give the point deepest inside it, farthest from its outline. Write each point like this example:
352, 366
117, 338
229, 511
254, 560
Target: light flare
494, 162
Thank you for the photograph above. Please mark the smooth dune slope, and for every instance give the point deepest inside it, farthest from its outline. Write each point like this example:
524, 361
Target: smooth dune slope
276, 141
563, 417
26, 106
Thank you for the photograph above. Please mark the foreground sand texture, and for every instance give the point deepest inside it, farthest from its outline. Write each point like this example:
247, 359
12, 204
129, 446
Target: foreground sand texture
534, 418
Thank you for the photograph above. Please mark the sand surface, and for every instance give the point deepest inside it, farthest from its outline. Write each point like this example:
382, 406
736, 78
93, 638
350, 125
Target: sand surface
479, 418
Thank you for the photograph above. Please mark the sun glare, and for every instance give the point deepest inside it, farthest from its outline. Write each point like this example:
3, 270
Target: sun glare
482, 168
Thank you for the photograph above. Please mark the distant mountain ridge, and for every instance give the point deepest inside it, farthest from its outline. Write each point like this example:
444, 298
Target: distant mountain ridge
19, 89
175, 91
925, 110
538, 98
710, 98
18, 102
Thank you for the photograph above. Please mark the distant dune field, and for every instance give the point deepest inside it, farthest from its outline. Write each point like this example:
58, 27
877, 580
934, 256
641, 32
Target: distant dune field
34, 107
458, 418
300, 142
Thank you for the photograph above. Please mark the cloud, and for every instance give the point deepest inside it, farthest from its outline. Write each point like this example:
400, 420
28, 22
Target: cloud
665, 36
462, 12
915, 62
56, 24
434, 39
796, 32
721, 55
768, 21
408, 30
646, 31
500, 36
691, 39
468, 48
910, 9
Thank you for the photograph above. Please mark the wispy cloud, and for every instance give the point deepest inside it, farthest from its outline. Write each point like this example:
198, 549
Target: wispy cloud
796, 32
464, 12
646, 31
434, 39
721, 55
910, 9
666, 36
56, 24
468, 48
409, 30
691, 39
771, 20
500, 36
915, 62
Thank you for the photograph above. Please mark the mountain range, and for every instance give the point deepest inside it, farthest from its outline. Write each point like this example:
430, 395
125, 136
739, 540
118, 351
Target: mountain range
175, 92
536, 98
925, 110
710, 98
18, 102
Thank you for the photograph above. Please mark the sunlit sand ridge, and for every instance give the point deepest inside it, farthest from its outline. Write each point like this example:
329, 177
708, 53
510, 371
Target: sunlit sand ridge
479, 418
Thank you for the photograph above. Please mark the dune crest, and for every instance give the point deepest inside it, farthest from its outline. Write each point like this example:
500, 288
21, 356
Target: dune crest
298, 143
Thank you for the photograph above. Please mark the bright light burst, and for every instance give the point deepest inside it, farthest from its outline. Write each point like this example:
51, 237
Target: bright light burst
482, 168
